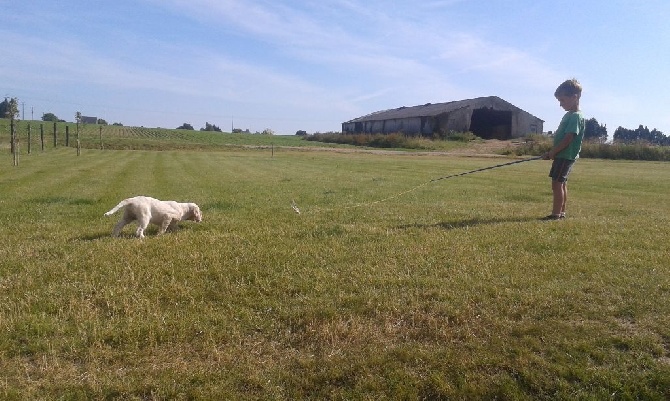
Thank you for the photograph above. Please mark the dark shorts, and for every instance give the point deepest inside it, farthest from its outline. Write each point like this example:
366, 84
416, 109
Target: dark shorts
560, 169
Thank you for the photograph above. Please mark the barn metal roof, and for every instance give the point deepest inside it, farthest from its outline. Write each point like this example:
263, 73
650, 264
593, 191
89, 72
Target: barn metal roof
433, 109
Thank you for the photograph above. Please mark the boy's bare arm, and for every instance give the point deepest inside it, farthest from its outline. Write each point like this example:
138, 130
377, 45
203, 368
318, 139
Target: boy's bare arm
558, 148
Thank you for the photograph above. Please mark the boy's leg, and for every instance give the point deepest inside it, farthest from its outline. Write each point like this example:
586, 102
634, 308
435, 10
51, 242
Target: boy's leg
560, 169
559, 197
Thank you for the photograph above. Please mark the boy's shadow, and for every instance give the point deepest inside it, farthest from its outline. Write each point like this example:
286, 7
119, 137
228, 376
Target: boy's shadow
455, 225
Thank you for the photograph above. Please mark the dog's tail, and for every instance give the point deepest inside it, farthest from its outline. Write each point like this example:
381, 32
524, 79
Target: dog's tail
117, 207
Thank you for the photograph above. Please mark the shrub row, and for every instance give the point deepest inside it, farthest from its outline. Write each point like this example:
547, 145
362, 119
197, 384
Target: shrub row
535, 145
538, 145
635, 151
393, 140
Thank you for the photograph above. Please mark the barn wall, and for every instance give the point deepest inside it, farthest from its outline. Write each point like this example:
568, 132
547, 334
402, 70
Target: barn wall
408, 126
457, 120
524, 123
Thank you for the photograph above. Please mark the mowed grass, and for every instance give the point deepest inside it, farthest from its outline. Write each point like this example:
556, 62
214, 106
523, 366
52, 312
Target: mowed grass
452, 290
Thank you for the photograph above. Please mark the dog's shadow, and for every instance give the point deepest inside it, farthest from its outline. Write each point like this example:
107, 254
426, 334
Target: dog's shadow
462, 224
445, 225
92, 237
149, 232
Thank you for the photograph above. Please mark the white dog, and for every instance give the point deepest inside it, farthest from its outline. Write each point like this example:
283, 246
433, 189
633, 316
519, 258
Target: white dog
145, 210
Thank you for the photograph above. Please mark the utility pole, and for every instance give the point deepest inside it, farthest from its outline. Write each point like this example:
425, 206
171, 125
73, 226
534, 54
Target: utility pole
23, 111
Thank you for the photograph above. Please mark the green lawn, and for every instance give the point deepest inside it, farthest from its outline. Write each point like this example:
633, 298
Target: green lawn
453, 290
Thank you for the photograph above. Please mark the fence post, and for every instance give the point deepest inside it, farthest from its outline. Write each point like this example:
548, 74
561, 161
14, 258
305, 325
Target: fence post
11, 137
29, 139
15, 143
55, 134
78, 143
67, 136
42, 136
101, 145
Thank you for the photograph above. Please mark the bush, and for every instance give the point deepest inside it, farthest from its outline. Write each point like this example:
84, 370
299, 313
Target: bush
537, 145
455, 136
393, 140
635, 151
186, 126
534, 145
210, 127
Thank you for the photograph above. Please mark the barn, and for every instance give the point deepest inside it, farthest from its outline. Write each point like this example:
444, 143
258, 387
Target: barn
89, 120
487, 117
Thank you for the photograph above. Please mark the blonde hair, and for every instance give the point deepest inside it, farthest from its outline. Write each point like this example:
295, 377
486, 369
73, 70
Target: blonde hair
569, 88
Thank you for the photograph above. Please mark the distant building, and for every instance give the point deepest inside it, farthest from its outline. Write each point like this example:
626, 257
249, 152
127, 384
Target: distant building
487, 117
89, 120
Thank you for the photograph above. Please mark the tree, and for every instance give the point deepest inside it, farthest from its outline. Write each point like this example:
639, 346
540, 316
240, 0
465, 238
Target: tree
642, 133
595, 131
11, 112
9, 108
4, 108
50, 117
186, 126
301, 133
101, 121
210, 127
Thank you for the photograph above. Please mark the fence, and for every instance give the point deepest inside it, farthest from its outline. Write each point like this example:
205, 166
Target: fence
16, 130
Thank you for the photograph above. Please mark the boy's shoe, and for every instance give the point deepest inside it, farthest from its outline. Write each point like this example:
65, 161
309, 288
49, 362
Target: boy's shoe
553, 217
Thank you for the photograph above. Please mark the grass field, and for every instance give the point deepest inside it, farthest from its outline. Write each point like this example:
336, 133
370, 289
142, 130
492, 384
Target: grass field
143, 138
453, 290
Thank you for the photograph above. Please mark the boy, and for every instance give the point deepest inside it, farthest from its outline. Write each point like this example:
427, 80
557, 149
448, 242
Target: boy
567, 144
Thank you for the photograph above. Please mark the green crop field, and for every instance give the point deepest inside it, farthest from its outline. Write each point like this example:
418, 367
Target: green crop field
449, 290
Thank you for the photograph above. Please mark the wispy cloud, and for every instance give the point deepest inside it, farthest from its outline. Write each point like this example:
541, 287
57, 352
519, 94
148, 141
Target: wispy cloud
71, 62
384, 47
381, 57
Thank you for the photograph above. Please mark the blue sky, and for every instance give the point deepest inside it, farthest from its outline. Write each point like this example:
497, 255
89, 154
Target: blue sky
311, 65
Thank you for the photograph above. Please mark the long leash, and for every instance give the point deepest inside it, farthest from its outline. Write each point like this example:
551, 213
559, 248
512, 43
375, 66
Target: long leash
486, 168
297, 210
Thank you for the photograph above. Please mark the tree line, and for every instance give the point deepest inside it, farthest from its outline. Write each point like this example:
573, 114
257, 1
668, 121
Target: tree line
53, 118
641, 134
208, 127
596, 132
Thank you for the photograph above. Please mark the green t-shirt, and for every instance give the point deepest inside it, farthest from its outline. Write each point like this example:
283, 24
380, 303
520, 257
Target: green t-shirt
572, 123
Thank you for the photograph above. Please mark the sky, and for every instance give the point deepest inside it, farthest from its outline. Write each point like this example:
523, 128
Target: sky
311, 65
